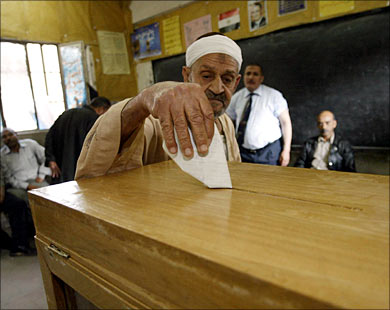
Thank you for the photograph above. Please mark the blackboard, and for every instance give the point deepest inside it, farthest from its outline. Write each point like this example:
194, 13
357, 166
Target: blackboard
340, 65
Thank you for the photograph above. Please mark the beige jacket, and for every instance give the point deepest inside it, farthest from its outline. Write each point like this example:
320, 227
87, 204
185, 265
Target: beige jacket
101, 155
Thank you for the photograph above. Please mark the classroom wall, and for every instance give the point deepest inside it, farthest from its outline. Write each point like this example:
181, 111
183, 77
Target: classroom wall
68, 21
198, 9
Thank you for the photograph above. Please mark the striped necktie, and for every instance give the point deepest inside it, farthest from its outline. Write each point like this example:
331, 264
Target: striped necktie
244, 120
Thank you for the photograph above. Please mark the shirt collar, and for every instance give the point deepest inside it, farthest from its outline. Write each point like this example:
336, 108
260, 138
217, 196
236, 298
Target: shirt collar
321, 139
258, 91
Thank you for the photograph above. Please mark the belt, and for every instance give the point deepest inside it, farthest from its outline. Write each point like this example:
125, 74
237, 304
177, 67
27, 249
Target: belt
251, 151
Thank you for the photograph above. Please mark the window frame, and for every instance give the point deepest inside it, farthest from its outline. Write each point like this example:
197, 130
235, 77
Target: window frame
24, 43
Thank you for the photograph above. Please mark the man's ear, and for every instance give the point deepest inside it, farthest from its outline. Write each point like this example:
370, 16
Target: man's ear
334, 124
185, 72
262, 79
237, 82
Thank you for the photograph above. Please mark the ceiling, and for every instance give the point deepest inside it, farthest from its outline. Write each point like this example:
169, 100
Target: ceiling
144, 9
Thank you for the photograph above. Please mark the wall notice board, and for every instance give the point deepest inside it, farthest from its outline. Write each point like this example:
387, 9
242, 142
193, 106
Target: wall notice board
340, 64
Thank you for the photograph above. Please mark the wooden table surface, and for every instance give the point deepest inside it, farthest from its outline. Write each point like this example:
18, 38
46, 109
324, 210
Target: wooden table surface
319, 234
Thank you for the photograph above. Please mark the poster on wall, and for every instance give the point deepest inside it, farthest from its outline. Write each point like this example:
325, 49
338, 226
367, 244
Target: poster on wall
257, 13
113, 52
328, 7
72, 58
146, 41
291, 6
195, 28
145, 76
229, 21
172, 35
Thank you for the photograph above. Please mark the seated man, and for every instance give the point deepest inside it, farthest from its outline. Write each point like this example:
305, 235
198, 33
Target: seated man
21, 223
130, 133
23, 164
327, 151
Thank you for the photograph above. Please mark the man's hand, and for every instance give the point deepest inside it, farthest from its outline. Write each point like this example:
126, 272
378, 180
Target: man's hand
284, 158
55, 170
30, 186
180, 106
39, 180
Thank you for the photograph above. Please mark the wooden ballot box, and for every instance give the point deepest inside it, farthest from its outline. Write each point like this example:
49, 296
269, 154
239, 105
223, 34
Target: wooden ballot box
154, 237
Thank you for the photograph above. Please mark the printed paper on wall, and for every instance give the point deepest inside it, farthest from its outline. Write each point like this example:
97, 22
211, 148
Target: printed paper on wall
172, 36
113, 52
195, 28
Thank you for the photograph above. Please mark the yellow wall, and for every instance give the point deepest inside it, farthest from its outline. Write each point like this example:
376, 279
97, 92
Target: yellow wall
67, 21
201, 8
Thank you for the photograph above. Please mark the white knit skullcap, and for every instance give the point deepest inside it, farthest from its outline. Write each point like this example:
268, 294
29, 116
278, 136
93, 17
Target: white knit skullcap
213, 44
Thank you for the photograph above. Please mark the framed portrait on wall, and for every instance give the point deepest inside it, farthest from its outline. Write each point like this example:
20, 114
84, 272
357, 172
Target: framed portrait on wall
257, 14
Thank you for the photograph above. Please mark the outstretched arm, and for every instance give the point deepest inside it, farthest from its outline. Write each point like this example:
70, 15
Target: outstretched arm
120, 129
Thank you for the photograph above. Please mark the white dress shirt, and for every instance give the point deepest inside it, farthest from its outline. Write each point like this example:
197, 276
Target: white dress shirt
27, 164
263, 125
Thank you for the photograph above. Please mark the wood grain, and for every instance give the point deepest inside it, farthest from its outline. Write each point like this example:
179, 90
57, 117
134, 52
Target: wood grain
281, 238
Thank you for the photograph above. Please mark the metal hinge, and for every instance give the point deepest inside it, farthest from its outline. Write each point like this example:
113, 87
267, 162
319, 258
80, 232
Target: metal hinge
58, 251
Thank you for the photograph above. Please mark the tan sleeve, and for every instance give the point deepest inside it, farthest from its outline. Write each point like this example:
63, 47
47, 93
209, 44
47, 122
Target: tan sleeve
153, 150
100, 153
230, 135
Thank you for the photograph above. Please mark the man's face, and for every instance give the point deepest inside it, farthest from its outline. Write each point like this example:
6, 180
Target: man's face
218, 75
326, 124
10, 138
255, 13
253, 78
101, 110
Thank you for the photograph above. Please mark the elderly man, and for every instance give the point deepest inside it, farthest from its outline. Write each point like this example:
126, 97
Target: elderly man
130, 134
23, 164
327, 151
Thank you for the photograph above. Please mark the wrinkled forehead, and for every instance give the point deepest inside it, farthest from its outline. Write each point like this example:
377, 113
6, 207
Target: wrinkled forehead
216, 61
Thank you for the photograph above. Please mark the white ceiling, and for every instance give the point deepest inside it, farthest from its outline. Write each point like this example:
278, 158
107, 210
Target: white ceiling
143, 9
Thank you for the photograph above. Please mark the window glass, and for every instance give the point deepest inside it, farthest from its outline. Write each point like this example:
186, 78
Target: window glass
31, 87
47, 87
50, 55
16, 94
34, 57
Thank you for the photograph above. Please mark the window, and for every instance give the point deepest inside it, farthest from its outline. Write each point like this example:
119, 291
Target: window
31, 89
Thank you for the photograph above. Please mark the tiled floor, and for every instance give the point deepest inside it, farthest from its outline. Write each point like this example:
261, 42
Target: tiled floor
21, 283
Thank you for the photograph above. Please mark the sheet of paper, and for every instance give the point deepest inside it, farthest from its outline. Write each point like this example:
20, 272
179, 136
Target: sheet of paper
211, 169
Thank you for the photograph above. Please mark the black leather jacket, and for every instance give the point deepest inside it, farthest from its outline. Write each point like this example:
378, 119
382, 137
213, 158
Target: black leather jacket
340, 155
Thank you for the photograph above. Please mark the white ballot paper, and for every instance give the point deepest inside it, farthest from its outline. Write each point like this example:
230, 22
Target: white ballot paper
211, 169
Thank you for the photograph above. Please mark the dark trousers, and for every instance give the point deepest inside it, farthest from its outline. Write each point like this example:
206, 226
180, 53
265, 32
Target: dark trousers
20, 220
268, 155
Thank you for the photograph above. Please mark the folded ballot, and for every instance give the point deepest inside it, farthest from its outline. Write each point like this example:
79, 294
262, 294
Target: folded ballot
211, 169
